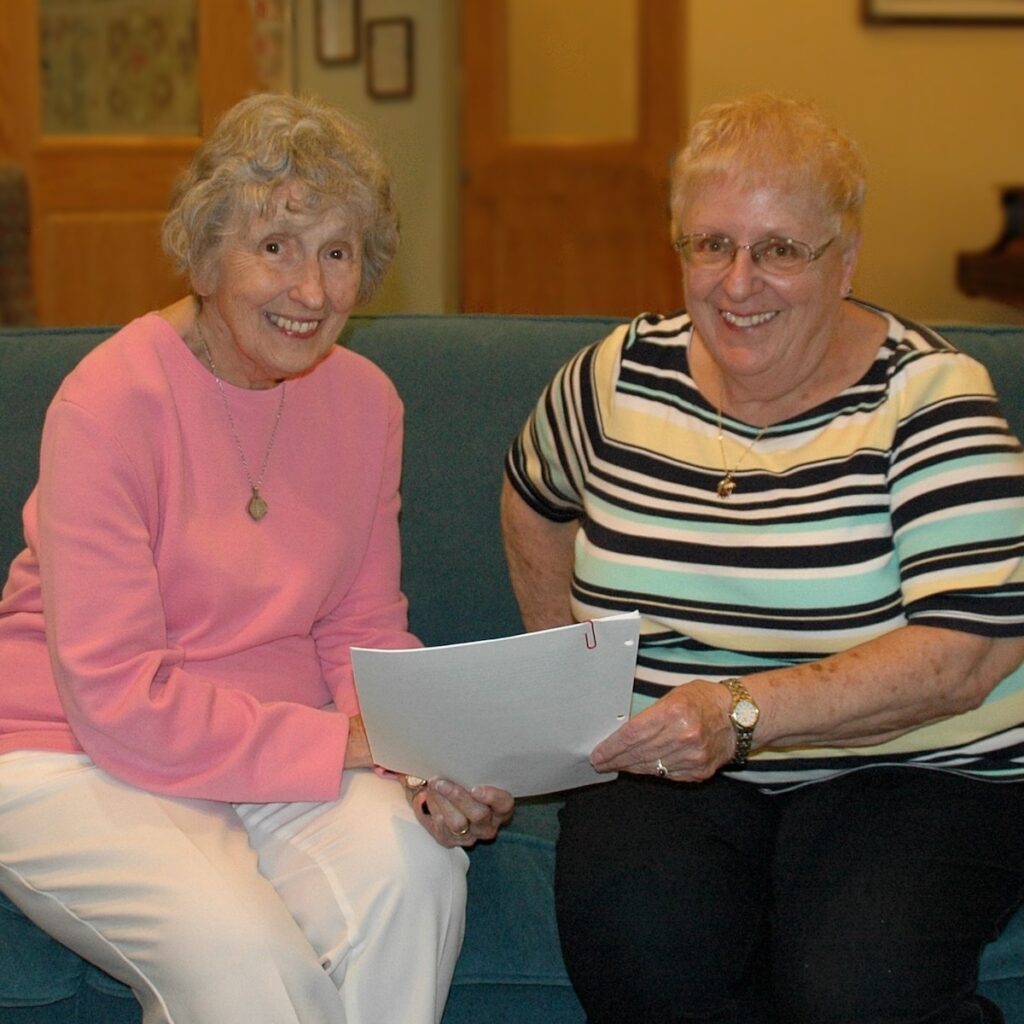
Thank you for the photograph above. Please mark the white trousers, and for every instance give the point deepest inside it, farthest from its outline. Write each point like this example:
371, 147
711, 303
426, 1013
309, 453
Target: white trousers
345, 912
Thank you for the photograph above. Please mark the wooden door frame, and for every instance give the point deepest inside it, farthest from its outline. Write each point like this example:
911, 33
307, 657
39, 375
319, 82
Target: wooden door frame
658, 100
226, 74
19, 86
19, 78
497, 167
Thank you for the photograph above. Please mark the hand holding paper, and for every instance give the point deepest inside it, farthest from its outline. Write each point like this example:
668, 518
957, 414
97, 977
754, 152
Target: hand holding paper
521, 713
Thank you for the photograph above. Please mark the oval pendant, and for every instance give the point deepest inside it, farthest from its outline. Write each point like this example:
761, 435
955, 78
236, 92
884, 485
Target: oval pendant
257, 507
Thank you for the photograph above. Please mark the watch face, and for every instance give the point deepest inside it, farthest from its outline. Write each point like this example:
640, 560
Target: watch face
745, 714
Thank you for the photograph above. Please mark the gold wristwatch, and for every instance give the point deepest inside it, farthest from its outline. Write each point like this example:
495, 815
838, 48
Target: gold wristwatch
744, 716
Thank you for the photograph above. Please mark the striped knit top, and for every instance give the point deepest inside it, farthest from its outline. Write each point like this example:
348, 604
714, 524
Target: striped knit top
901, 500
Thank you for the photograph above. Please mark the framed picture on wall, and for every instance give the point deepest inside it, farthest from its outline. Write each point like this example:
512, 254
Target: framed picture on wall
962, 12
389, 58
337, 31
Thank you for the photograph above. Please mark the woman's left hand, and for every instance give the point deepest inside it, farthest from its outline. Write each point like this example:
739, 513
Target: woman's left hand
686, 736
455, 816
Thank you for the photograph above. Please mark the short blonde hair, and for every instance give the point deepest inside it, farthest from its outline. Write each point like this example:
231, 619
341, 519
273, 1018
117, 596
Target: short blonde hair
269, 141
766, 139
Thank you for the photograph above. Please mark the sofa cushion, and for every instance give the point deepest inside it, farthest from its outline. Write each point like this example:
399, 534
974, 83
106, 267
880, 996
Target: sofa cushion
1001, 971
34, 969
511, 965
511, 936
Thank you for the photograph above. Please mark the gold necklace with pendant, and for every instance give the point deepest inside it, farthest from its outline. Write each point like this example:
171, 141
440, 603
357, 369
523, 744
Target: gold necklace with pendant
257, 506
728, 482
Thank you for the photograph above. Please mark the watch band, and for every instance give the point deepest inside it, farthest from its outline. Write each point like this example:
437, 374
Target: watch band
743, 715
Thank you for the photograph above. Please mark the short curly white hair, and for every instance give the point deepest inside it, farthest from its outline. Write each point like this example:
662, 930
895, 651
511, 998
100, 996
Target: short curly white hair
268, 141
768, 139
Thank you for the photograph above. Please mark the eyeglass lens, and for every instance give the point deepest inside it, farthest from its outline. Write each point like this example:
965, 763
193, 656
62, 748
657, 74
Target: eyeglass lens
784, 255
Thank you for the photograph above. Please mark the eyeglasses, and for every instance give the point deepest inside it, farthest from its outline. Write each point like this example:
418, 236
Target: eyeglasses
772, 255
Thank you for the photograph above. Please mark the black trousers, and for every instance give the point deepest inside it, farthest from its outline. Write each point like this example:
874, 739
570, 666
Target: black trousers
866, 899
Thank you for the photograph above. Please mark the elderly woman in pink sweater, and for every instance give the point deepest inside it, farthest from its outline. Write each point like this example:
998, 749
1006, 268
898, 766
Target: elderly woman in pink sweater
187, 797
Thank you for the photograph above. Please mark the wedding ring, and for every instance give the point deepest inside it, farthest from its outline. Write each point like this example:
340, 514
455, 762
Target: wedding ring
661, 769
461, 831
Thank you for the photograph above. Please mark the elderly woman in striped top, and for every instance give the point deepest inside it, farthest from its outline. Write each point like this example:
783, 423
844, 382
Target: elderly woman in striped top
818, 509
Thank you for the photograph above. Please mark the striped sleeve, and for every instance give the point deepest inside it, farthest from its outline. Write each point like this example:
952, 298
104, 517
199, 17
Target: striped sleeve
957, 499
547, 462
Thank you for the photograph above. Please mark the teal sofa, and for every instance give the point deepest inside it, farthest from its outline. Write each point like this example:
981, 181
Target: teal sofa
468, 382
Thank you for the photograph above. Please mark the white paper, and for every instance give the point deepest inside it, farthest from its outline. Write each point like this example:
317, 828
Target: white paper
520, 712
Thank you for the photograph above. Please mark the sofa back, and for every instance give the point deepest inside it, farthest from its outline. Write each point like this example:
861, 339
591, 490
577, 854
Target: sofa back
468, 383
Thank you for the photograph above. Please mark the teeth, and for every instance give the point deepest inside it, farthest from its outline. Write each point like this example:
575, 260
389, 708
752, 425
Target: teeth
746, 321
293, 326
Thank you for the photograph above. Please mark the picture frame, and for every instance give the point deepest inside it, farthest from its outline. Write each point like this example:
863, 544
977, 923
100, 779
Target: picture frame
944, 12
390, 58
338, 31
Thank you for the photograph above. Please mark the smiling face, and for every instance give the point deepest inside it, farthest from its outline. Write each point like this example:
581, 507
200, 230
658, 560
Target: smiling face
766, 335
279, 291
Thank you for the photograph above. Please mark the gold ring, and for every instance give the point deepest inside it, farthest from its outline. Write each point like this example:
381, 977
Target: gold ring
460, 832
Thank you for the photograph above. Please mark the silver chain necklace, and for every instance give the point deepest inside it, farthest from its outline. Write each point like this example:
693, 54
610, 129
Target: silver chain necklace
256, 506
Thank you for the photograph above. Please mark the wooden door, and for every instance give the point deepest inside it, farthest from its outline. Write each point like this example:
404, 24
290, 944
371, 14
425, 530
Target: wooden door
565, 224
97, 201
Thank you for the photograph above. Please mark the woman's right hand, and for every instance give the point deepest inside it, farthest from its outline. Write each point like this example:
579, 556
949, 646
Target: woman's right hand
456, 816
687, 733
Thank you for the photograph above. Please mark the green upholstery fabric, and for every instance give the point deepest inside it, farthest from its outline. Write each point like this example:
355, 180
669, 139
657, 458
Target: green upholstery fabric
468, 382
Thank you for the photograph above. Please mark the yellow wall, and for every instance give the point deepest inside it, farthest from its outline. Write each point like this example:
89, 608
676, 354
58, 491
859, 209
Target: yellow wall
418, 136
937, 110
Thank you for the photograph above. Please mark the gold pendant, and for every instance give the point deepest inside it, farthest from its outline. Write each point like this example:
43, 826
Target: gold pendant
726, 486
257, 507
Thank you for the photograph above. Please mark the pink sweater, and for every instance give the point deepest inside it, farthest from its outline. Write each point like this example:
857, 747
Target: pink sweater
151, 623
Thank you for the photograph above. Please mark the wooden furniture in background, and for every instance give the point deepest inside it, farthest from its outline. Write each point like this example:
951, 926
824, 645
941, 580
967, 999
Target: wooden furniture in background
17, 304
998, 273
